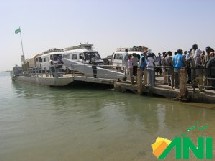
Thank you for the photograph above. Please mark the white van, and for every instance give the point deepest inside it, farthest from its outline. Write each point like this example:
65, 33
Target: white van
44, 61
119, 56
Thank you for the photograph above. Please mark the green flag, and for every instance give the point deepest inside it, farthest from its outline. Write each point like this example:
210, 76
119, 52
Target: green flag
18, 31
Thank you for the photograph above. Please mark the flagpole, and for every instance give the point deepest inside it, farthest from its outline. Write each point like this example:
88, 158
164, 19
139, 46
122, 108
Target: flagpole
22, 45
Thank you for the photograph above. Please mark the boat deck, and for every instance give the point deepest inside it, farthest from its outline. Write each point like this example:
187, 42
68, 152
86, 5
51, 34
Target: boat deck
192, 95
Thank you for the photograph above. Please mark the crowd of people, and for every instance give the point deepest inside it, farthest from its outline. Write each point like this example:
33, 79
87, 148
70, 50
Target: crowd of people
197, 63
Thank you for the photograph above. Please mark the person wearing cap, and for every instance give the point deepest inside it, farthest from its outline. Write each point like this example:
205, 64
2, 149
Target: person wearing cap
150, 68
159, 59
208, 50
178, 63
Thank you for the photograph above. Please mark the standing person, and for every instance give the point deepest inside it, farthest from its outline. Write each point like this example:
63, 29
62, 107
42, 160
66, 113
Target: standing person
164, 69
163, 61
199, 68
130, 69
185, 53
169, 68
203, 58
159, 59
208, 49
188, 66
194, 48
150, 68
125, 62
178, 63
142, 63
135, 64
197, 58
210, 72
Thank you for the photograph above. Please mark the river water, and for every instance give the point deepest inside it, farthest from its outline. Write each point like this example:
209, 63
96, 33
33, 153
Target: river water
40, 123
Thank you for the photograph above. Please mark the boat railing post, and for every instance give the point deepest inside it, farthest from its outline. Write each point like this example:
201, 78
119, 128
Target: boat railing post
200, 79
37, 71
183, 83
45, 72
73, 72
194, 78
139, 81
164, 75
55, 71
173, 77
145, 77
85, 70
41, 72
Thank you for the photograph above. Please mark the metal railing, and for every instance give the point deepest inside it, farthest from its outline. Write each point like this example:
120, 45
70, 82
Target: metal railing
197, 77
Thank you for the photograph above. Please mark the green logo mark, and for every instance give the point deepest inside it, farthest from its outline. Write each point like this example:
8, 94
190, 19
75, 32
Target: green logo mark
184, 145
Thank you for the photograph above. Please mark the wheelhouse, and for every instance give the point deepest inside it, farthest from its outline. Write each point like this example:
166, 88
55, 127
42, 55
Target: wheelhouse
83, 54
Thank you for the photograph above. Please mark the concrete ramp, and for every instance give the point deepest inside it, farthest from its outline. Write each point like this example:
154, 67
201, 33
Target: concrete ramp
87, 70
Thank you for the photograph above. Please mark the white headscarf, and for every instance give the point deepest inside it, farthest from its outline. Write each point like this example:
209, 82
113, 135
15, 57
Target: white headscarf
197, 53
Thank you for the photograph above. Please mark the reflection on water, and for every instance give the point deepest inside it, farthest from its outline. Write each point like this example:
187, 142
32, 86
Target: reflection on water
52, 124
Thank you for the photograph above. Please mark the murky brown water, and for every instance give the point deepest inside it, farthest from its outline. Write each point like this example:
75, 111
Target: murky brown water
63, 124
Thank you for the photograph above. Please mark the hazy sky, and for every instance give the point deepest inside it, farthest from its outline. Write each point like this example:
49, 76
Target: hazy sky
109, 24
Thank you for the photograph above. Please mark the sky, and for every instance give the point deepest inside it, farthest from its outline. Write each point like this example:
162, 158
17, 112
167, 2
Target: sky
161, 25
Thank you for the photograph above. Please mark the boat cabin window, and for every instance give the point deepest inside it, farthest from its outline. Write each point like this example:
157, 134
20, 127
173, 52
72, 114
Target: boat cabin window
39, 59
97, 55
118, 56
67, 56
74, 56
44, 60
81, 56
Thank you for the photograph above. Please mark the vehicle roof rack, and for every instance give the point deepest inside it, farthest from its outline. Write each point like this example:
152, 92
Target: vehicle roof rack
81, 46
53, 50
134, 48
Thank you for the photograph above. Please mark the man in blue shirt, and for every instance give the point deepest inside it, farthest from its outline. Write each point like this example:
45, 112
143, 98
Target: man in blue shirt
142, 64
178, 63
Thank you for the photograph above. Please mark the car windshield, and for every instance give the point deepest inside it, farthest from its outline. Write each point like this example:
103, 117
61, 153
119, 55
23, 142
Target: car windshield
90, 55
55, 57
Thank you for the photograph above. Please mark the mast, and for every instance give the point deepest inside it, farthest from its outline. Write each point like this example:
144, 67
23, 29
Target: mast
23, 54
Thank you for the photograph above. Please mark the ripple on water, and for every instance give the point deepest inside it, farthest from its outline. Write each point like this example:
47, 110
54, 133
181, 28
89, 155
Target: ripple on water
43, 123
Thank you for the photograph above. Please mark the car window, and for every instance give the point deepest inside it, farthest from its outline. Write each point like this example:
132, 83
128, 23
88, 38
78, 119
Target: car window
118, 56
74, 56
